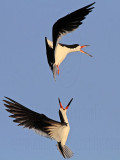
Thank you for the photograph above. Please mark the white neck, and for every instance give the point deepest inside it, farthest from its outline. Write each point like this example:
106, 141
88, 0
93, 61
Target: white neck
74, 49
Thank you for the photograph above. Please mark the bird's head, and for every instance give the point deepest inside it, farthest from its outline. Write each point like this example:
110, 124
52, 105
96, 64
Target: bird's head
61, 107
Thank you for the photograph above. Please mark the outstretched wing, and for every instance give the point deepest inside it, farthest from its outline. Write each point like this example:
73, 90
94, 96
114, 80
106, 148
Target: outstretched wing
69, 23
33, 120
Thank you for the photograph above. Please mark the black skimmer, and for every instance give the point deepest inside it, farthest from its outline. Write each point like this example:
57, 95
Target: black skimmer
57, 52
42, 124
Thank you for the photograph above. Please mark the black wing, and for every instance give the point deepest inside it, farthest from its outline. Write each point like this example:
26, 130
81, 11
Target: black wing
69, 23
50, 54
30, 119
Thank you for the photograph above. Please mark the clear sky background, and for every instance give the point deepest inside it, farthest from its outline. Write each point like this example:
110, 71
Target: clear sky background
94, 83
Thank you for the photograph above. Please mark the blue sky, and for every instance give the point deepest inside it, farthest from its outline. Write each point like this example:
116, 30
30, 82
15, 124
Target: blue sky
94, 83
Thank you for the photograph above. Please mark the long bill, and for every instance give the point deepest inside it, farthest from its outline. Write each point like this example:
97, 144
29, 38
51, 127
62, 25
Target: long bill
68, 104
84, 51
60, 103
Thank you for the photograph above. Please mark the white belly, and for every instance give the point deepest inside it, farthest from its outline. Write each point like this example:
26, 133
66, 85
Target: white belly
60, 54
64, 135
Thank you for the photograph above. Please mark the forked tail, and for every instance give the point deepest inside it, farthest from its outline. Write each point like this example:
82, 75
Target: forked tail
64, 150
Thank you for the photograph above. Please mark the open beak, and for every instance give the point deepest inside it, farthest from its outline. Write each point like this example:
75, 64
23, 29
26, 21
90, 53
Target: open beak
84, 51
68, 104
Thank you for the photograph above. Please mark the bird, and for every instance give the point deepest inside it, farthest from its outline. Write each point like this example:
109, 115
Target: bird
41, 124
56, 52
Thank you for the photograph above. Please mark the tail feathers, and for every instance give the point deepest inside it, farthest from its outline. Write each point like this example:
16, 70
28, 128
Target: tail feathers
64, 150
54, 71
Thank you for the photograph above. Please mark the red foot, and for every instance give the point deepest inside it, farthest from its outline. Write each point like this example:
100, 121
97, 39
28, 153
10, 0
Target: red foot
58, 69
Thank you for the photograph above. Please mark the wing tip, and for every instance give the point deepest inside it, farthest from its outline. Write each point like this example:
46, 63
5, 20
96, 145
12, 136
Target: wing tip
88, 7
45, 38
91, 4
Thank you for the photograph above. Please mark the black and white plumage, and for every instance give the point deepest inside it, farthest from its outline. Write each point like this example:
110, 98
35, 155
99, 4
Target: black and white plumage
57, 52
41, 124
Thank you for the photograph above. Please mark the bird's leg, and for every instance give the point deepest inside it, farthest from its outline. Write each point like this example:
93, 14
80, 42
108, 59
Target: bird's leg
84, 51
58, 69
